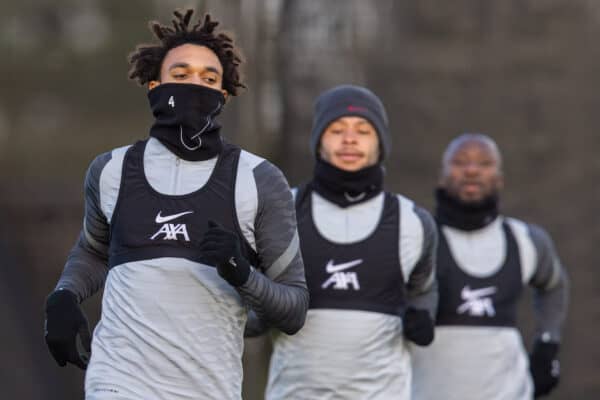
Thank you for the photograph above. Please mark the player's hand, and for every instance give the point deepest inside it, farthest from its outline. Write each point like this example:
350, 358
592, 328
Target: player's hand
221, 247
545, 367
418, 326
65, 325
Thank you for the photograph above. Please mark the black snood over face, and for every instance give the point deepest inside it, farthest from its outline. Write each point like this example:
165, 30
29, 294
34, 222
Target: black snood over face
185, 119
452, 212
347, 188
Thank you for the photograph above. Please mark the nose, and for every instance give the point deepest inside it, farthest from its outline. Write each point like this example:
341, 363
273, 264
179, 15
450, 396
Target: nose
472, 168
195, 79
349, 136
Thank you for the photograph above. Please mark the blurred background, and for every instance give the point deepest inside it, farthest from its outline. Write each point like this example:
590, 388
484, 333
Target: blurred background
525, 72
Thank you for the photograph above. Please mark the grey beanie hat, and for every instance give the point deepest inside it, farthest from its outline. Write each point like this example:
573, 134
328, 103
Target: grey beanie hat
350, 100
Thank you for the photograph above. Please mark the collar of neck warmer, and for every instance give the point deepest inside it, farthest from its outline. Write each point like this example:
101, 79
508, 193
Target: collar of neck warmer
185, 119
346, 188
450, 211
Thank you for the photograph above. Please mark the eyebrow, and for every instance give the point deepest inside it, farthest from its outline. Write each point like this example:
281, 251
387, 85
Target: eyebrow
186, 65
179, 65
213, 69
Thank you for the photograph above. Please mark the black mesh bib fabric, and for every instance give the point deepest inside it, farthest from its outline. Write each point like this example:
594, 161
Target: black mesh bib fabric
147, 224
365, 275
474, 301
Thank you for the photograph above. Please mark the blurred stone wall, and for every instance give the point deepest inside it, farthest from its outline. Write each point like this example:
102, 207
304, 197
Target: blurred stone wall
523, 71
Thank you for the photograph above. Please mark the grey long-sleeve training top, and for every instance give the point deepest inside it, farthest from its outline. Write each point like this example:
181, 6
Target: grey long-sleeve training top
171, 328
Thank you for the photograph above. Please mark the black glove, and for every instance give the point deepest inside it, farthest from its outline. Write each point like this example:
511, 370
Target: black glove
65, 325
221, 248
544, 366
418, 326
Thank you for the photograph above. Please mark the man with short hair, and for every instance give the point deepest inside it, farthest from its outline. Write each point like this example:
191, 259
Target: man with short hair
185, 232
485, 260
369, 257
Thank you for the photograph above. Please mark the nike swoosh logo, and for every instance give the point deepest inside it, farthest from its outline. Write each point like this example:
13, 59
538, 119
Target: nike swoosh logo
331, 268
466, 293
162, 219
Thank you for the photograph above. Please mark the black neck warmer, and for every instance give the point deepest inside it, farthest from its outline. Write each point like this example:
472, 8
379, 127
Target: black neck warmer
452, 212
346, 188
184, 119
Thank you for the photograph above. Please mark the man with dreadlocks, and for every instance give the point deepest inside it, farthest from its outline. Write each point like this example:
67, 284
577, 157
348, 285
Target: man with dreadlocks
186, 233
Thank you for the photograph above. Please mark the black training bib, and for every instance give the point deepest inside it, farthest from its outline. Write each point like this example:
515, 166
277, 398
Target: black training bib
474, 301
147, 224
358, 276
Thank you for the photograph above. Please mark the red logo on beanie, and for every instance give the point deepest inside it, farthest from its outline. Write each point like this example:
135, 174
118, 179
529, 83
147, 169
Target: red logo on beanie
352, 108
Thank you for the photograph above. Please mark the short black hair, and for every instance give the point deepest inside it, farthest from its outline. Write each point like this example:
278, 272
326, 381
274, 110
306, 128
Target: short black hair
146, 60
460, 140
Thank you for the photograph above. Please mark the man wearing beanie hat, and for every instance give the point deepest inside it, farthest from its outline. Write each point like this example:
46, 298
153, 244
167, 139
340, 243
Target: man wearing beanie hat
369, 262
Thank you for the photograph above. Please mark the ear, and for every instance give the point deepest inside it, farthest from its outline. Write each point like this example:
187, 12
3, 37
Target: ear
153, 84
225, 94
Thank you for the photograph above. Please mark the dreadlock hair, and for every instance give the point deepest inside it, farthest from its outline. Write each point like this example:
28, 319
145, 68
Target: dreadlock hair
146, 60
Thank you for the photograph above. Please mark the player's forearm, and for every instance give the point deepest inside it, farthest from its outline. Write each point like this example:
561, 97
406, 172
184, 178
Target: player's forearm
425, 299
422, 288
551, 287
278, 295
85, 270
282, 305
551, 309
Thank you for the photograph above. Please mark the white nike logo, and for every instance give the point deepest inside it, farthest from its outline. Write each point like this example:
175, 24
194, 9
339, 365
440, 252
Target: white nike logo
331, 268
467, 293
161, 220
